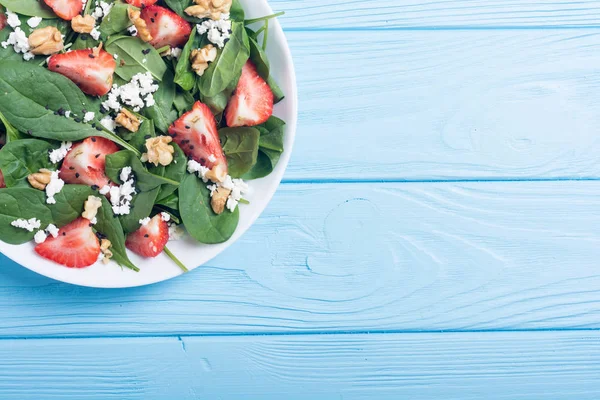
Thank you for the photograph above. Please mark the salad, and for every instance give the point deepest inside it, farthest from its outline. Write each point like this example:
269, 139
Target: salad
126, 123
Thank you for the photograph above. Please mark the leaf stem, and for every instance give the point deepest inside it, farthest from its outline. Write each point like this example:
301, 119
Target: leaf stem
163, 49
175, 259
265, 35
266, 18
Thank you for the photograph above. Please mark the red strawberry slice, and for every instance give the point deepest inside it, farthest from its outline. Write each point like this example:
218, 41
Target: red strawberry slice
84, 163
196, 133
166, 27
91, 69
76, 245
252, 101
2, 19
150, 239
66, 9
141, 3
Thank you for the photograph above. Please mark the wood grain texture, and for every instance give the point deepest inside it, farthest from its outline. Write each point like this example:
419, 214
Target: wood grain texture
549, 365
311, 14
447, 105
359, 257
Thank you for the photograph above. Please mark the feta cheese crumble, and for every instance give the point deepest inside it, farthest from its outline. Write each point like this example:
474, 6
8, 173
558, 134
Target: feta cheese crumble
108, 123
237, 186
33, 22
194, 167
175, 52
54, 187
144, 221
137, 94
40, 237
27, 224
95, 33
57, 155
133, 30
104, 190
102, 9
89, 116
12, 19
52, 230
175, 231
218, 32
165, 216
67, 113
121, 196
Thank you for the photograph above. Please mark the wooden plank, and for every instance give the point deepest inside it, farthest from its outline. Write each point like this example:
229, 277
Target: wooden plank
447, 105
311, 14
548, 365
359, 257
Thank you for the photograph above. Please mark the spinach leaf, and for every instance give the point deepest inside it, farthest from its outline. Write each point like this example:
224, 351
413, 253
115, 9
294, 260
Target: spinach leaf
258, 56
170, 202
228, 65
84, 41
132, 52
29, 203
31, 8
30, 96
117, 19
236, 13
145, 181
162, 113
8, 53
19, 159
198, 217
178, 6
174, 171
218, 103
141, 207
146, 130
278, 94
12, 133
183, 102
184, 75
240, 145
110, 226
270, 148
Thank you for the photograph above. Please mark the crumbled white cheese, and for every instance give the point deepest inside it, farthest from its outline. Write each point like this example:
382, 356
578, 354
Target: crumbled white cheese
212, 158
175, 231
33, 22
136, 94
144, 221
95, 33
27, 224
237, 186
54, 187
89, 116
108, 123
194, 167
175, 52
121, 196
18, 40
165, 216
104, 190
40, 237
12, 19
52, 230
28, 56
67, 113
102, 9
115, 56
218, 32
57, 155
133, 30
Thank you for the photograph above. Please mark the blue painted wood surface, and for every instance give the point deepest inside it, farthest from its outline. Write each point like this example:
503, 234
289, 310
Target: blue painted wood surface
436, 235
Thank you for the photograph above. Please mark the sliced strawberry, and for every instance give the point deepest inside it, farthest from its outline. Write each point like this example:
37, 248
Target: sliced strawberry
141, 3
150, 239
91, 69
84, 163
166, 27
2, 18
252, 101
66, 9
196, 133
76, 245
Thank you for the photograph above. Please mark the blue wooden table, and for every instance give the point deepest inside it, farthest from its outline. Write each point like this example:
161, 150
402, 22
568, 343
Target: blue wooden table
437, 235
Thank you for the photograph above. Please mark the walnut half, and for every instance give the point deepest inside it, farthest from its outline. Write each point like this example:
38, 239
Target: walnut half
46, 41
105, 245
41, 179
219, 199
141, 26
83, 24
128, 120
209, 9
159, 151
201, 57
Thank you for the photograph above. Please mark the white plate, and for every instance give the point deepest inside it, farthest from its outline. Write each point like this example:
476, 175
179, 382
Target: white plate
191, 253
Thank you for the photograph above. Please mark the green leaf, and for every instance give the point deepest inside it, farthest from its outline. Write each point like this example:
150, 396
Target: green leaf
30, 95
141, 207
132, 52
145, 181
146, 130
84, 41
236, 13
218, 103
12, 133
110, 226
258, 56
185, 77
117, 19
198, 217
228, 65
183, 102
162, 113
270, 148
171, 202
31, 8
278, 94
19, 159
240, 146
178, 6
29, 203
